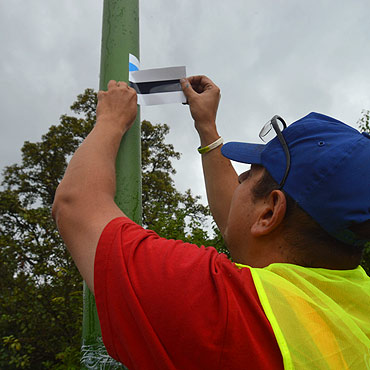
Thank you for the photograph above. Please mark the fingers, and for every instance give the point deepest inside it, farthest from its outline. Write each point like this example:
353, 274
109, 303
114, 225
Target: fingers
113, 84
101, 94
201, 83
195, 85
200, 80
198, 84
187, 88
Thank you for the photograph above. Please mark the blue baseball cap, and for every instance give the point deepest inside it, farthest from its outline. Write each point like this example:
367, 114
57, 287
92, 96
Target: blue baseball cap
329, 174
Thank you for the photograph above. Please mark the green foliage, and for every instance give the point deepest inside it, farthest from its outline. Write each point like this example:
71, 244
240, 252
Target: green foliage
364, 126
168, 212
364, 121
40, 287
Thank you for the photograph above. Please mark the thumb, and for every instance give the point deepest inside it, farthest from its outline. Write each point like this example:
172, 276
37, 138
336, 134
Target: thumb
187, 88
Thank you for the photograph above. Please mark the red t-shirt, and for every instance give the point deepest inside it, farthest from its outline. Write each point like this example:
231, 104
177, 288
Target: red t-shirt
165, 304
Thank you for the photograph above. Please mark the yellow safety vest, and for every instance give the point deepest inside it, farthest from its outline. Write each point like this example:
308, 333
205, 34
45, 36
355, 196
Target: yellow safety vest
320, 317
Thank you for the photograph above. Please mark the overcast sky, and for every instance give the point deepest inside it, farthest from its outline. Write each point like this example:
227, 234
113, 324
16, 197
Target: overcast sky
286, 57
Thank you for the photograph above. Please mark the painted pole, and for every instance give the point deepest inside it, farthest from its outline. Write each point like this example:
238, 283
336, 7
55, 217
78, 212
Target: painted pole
120, 37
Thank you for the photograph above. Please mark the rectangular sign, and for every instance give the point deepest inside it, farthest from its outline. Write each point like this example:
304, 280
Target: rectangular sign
159, 85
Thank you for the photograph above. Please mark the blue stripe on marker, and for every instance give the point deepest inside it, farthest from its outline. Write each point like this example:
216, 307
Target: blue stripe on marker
132, 67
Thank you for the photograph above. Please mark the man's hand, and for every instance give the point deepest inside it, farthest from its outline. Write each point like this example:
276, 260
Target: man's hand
118, 105
219, 175
203, 97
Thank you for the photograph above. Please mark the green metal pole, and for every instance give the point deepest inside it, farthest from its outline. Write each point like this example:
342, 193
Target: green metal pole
120, 37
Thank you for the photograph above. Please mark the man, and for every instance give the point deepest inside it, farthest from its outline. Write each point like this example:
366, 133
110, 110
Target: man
296, 225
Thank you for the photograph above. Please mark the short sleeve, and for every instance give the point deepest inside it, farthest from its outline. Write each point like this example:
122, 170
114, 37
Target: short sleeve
164, 304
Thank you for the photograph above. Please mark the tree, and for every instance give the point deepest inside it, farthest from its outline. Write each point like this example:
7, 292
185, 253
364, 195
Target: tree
165, 210
364, 126
40, 287
364, 121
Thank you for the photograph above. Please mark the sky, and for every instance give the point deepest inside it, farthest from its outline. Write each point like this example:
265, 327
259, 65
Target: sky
286, 57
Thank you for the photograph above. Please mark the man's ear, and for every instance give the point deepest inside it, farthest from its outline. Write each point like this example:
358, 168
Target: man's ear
270, 214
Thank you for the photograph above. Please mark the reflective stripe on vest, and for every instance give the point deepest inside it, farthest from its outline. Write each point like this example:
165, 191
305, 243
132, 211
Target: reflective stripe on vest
320, 317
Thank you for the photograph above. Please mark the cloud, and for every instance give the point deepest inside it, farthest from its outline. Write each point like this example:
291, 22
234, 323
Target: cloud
50, 53
268, 57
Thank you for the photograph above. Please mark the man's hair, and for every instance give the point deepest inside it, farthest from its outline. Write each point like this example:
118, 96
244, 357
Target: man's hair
309, 243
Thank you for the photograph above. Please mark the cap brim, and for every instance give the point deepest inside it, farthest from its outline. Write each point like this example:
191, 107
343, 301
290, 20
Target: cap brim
243, 152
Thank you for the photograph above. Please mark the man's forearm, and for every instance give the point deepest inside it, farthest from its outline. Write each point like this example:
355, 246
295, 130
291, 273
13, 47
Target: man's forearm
91, 171
220, 179
90, 177
84, 200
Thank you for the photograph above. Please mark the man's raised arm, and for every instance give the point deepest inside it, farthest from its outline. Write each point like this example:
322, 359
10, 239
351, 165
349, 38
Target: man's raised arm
84, 200
220, 177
